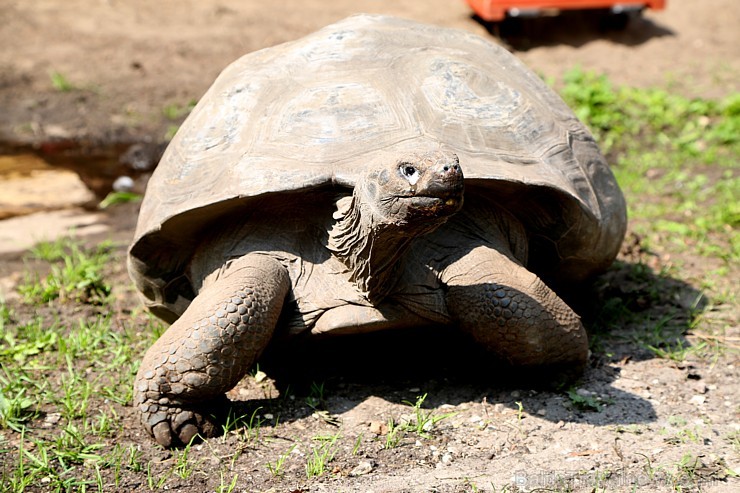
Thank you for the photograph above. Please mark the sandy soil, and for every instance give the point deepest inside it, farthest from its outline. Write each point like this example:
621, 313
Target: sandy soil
132, 65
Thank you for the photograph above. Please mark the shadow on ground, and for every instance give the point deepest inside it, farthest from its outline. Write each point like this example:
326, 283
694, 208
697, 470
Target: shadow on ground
574, 28
632, 312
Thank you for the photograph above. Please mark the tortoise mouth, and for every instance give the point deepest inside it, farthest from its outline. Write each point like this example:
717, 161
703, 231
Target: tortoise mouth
435, 204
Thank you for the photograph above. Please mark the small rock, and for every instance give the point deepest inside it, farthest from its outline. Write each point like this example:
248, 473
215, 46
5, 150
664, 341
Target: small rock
516, 394
697, 399
123, 184
362, 468
475, 419
542, 411
268, 416
446, 458
414, 389
584, 393
700, 387
378, 427
51, 419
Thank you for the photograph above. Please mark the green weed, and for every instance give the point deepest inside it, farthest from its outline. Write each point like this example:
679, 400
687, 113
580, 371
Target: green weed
76, 273
585, 402
674, 157
16, 407
394, 435
183, 466
60, 82
424, 421
277, 468
420, 423
115, 198
321, 455
247, 426
315, 399
225, 487
176, 111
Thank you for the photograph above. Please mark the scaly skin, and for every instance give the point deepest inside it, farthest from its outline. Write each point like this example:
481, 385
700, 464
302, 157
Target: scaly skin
209, 349
513, 314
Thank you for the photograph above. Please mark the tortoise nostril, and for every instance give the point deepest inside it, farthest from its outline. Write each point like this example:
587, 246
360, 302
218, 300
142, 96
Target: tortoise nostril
450, 168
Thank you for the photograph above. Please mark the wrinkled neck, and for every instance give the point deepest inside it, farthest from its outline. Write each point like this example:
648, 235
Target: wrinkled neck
370, 245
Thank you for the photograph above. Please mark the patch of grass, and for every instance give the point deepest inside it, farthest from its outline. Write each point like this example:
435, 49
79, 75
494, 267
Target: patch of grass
321, 455
16, 406
675, 158
76, 273
70, 450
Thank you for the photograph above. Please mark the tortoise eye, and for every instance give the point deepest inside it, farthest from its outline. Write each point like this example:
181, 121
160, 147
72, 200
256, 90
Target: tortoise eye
408, 170
410, 173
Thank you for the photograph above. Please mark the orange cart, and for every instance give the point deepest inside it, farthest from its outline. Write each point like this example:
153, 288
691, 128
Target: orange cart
498, 10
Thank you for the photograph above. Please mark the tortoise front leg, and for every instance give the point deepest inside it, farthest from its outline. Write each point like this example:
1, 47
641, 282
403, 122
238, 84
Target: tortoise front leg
209, 349
512, 313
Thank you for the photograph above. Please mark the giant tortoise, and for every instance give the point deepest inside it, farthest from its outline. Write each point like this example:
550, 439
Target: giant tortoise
317, 189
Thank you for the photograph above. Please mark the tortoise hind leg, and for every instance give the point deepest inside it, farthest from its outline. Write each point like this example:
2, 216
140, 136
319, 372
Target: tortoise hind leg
209, 349
512, 313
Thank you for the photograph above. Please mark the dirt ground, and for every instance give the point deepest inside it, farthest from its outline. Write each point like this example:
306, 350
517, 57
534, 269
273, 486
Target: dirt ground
134, 66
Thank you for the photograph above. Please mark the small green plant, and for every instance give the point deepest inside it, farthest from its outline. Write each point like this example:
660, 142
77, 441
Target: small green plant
60, 82
176, 111
155, 481
115, 198
734, 440
247, 425
394, 435
321, 455
519, 411
277, 468
424, 421
229, 487
183, 467
358, 443
76, 273
585, 402
315, 399
16, 408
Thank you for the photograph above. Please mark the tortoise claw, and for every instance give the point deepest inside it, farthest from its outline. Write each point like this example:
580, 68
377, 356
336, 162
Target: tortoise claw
175, 426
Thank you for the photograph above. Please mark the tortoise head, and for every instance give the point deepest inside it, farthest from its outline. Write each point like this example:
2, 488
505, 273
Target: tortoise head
393, 203
418, 190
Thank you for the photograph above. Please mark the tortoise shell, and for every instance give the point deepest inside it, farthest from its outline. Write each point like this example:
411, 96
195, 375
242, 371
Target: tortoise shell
318, 111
